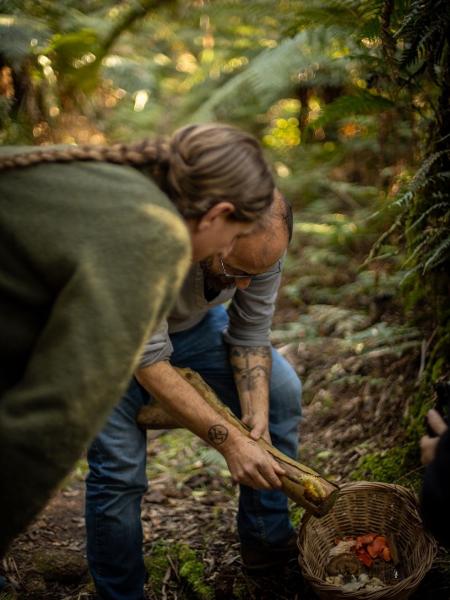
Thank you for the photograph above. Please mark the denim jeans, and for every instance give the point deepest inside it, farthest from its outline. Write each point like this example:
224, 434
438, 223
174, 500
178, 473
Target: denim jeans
117, 479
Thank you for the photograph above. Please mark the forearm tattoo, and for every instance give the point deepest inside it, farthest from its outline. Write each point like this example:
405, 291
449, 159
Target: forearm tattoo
246, 372
217, 434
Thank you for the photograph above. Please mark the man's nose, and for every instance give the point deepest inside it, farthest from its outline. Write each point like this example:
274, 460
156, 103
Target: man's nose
242, 283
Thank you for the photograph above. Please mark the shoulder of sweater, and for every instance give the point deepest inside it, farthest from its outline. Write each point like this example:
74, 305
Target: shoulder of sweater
172, 225
134, 204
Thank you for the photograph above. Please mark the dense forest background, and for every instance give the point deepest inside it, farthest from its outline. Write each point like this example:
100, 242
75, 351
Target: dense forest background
350, 99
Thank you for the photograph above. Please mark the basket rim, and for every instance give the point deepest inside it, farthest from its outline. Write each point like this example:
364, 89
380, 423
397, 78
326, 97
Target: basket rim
352, 486
408, 583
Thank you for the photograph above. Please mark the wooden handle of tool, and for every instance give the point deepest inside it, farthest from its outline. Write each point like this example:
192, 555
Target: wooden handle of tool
303, 485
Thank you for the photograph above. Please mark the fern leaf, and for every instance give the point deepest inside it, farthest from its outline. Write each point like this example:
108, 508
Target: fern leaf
404, 200
417, 249
440, 255
377, 245
363, 103
274, 73
420, 178
423, 216
424, 31
409, 274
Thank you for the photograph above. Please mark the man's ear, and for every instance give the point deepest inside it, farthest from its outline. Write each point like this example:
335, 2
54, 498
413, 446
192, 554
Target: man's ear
220, 210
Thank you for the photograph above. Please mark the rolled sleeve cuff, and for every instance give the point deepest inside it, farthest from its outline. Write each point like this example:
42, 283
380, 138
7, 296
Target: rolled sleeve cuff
158, 348
246, 339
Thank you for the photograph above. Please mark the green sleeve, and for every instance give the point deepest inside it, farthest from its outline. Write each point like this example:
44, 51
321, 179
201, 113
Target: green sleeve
119, 289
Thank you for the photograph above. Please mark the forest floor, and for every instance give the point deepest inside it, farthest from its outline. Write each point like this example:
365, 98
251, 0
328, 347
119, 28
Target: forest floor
341, 327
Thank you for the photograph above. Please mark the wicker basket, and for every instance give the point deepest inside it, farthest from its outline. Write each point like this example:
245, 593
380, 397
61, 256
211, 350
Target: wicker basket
365, 507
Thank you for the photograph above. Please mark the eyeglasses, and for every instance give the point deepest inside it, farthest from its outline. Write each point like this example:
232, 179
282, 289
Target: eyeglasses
229, 275
242, 275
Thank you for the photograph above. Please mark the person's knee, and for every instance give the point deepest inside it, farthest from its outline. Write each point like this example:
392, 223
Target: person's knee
118, 480
117, 465
104, 489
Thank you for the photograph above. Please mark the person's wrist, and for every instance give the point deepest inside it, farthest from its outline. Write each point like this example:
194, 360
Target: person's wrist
232, 443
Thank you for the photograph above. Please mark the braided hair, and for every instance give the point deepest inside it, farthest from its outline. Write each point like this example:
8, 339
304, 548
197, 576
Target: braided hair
200, 166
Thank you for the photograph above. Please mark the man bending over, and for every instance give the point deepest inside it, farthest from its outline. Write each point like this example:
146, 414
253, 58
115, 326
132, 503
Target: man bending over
232, 352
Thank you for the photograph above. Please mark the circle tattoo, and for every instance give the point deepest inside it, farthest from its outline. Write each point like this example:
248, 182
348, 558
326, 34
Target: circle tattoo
217, 434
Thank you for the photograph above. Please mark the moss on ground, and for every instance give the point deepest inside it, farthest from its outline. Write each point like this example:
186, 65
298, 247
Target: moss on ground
192, 570
401, 464
389, 466
156, 565
189, 566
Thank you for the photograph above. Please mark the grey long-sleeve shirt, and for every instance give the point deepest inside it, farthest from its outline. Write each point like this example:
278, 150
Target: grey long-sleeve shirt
250, 312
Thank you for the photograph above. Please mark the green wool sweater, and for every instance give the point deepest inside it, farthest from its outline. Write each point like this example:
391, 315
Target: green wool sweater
92, 256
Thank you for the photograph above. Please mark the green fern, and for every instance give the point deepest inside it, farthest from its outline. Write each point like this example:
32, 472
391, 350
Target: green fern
440, 255
439, 207
276, 73
293, 16
425, 33
423, 174
421, 242
362, 103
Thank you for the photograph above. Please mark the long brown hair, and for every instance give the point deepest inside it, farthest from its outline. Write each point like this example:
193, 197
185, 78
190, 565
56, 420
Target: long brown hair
200, 166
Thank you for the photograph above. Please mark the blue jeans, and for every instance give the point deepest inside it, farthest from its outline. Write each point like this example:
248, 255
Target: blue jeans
117, 479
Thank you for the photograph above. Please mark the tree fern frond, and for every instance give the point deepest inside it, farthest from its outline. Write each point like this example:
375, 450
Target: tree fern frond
409, 274
438, 195
274, 73
419, 245
418, 49
429, 211
443, 176
362, 103
440, 255
377, 245
294, 15
443, 139
403, 201
424, 31
420, 178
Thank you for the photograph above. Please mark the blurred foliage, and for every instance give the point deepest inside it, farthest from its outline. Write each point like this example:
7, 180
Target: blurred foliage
350, 99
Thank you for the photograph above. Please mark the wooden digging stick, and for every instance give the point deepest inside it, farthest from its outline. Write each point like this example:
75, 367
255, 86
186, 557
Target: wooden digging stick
303, 485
